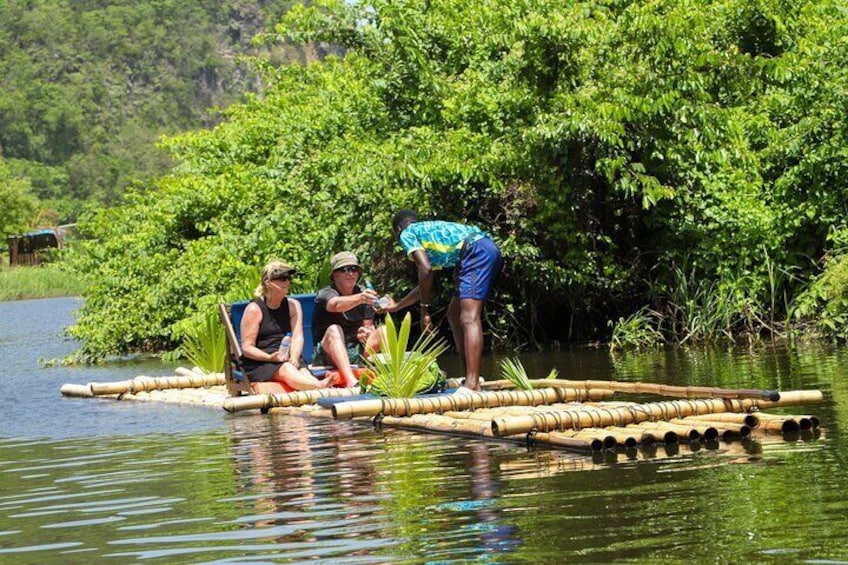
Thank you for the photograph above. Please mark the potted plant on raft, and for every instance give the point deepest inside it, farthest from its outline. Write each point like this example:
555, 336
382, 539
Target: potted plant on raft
400, 373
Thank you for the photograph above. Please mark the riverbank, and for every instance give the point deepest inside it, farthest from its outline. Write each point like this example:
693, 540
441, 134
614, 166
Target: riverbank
44, 281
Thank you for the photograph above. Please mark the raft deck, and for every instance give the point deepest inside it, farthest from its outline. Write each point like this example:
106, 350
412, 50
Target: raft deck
582, 416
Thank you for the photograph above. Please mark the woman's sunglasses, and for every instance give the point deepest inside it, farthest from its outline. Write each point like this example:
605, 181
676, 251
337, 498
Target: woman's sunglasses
286, 277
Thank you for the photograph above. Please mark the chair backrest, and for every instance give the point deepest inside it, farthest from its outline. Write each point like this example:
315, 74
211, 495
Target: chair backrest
307, 303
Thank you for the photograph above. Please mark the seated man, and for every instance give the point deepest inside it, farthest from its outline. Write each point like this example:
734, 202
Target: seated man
343, 320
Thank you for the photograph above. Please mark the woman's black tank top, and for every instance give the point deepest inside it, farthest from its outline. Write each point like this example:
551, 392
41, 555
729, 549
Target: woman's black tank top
274, 325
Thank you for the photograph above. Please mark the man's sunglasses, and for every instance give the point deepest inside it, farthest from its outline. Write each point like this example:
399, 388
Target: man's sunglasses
348, 269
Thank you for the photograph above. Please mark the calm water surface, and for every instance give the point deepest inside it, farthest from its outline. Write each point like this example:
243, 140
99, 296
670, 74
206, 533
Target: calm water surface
88, 481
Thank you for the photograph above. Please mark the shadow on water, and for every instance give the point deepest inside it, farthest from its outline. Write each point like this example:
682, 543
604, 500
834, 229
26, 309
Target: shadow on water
84, 481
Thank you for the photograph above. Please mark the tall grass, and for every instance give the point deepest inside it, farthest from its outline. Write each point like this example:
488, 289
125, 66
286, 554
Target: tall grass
699, 310
45, 281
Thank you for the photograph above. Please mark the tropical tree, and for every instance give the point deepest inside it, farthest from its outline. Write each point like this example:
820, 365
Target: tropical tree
624, 154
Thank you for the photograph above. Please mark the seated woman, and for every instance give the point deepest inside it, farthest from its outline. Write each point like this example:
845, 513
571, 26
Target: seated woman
266, 321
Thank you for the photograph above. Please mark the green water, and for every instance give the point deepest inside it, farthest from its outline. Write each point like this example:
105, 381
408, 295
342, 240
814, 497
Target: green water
88, 481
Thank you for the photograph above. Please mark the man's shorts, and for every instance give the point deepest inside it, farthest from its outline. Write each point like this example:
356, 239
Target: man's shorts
480, 262
354, 354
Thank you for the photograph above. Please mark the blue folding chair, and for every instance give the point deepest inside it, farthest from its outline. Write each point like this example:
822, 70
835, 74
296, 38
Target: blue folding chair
238, 383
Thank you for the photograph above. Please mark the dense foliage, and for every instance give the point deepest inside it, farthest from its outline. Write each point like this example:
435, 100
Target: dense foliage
89, 86
683, 155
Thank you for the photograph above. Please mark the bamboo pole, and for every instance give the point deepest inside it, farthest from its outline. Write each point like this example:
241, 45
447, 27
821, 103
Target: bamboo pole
668, 437
643, 437
557, 420
440, 423
623, 437
146, 384
689, 432
808, 422
285, 400
83, 391
805, 422
776, 423
455, 402
706, 430
583, 440
725, 430
547, 421
647, 388
793, 398
749, 420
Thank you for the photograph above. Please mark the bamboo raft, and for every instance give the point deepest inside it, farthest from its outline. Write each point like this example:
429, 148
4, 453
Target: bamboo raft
568, 414
581, 418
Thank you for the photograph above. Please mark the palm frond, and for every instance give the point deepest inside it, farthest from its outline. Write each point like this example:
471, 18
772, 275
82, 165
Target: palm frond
399, 373
513, 371
205, 345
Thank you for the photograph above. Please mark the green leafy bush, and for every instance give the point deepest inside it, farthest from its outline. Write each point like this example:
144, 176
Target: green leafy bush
603, 145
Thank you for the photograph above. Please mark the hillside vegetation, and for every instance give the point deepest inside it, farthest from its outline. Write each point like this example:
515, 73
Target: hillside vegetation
678, 166
87, 87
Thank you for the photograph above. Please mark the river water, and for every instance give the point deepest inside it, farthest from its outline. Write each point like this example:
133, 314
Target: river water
93, 480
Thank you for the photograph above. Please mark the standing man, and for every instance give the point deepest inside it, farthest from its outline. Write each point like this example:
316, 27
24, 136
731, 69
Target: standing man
343, 319
435, 245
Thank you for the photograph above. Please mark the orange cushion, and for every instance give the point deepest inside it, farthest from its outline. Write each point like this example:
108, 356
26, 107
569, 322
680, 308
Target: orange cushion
268, 388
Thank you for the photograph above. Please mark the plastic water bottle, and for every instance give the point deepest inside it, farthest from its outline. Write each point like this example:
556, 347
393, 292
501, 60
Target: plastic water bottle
285, 345
382, 301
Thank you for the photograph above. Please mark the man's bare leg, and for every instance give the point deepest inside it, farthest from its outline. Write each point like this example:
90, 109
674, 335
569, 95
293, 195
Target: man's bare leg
333, 344
471, 322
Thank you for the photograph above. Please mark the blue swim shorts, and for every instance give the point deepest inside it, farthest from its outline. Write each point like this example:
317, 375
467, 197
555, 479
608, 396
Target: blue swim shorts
479, 265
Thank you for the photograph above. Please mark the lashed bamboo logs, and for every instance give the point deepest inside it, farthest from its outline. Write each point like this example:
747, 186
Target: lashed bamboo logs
440, 423
779, 425
688, 432
643, 437
565, 419
622, 436
725, 430
647, 388
285, 400
187, 379
591, 439
447, 402
787, 423
146, 384
705, 430
583, 440
560, 420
